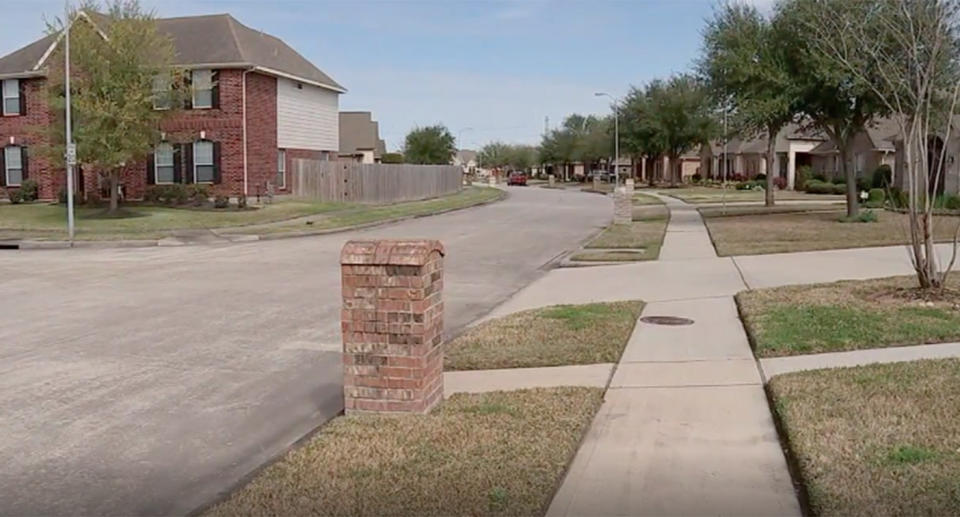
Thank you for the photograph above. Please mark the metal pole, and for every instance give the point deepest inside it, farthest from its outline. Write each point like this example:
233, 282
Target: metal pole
616, 142
70, 154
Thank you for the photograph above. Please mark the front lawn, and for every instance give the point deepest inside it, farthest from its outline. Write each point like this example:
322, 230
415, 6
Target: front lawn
500, 453
701, 195
640, 199
552, 336
875, 440
809, 231
46, 221
848, 315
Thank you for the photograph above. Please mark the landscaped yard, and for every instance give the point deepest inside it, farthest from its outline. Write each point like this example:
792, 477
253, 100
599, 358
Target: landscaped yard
698, 195
552, 336
779, 233
875, 440
139, 221
639, 240
501, 453
640, 198
848, 315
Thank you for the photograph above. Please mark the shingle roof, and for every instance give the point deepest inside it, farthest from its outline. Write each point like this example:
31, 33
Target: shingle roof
358, 131
217, 39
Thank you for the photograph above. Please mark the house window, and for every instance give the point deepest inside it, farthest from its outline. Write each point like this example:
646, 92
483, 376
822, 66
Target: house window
281, 168
202, 81
203, 166
11, 97
161, 92
163, 163
13, 158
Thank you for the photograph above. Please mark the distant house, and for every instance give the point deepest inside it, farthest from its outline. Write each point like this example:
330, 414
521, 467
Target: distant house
746, 158
256, 104
467, 160
870, 149
360, 137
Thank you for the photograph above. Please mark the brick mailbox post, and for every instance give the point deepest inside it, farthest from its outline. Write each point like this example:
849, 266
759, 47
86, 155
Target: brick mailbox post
392, 324
622, 206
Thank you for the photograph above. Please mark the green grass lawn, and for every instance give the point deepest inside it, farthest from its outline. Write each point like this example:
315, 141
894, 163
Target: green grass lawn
48, 221
760, 233
875, 440
640, 199
698, 195
552, 336
501, 453
848, 315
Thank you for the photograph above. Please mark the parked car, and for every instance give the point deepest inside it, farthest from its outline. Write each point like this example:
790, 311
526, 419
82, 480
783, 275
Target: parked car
604, 176
517, 178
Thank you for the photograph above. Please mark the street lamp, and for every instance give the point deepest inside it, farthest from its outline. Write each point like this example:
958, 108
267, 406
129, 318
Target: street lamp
616, 133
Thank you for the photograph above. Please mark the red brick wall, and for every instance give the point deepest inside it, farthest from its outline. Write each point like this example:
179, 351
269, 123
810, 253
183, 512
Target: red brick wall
31, 130
261, 132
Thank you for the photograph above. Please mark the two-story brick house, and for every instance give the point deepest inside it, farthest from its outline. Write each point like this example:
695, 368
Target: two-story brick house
256, 104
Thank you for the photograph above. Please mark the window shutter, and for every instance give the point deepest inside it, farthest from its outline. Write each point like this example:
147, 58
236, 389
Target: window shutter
23, 100
215, 92
216, 162
3, 166
151, 172
188, 84
177, 164
24, 163
188, 162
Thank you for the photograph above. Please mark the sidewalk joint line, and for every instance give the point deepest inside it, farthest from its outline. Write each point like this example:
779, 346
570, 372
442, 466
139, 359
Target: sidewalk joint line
675, 386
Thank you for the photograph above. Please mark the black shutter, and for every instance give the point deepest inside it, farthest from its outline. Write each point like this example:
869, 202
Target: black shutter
151, 172
23, 100
188, 86
177, 165
188, 162
3, 166
24, 163
216, 162
215, 91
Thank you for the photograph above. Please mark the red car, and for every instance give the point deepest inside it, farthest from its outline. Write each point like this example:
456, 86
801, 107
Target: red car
517, 178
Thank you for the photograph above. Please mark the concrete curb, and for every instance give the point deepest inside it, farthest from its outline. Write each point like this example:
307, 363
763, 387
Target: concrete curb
231, 238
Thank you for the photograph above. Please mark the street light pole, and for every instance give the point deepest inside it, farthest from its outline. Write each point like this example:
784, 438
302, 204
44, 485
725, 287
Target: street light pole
70, 154
616, 135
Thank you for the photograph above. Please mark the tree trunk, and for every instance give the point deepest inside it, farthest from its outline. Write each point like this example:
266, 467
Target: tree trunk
114, 198
850, 175
768, 198
673, 169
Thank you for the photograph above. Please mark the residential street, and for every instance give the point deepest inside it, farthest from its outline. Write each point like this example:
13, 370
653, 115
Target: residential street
147, 381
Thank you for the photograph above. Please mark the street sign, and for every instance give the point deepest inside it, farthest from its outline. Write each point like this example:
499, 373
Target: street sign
71, 154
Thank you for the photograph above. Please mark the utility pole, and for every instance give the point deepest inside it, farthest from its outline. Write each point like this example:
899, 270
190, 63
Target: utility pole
70, 156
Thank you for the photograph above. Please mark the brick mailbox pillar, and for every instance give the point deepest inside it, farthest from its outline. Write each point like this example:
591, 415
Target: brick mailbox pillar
596, 182
622, 206
392, 324
629, 184
551, 180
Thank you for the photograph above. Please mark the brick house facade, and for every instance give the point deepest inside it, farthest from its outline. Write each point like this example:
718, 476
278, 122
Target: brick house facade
260, 109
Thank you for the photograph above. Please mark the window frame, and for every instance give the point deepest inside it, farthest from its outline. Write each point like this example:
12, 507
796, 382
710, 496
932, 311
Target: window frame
282, 168
157, 165
4, 97
212, 164
7, 168
194, 90
163, 94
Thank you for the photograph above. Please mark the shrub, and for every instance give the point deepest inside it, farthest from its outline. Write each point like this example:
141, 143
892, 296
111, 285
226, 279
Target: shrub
839, 189
28, 190
15, 196
780, 182
864, 184
819, 177
877, 197
803, 175
697, 178
152, 194
241, 201
951, 202
882, 176
899, 198
866, 216
221, 201
62, 196
760, 177
838, 178
197, 194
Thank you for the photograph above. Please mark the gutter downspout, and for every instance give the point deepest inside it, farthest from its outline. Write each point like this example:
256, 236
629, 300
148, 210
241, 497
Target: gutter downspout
243, 89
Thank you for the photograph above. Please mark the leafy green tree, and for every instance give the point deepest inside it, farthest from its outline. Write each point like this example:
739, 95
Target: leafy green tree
746, 62
558, 148
432, 145
391, 158
113, 69
494, 155
639, 135
522, 157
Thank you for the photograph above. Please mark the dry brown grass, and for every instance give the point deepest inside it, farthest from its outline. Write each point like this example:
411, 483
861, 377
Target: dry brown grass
879, 440
700, 195
849, 315
735, 210
625, 255
645, 199
552, 336
501, 453
780, 233
638, 234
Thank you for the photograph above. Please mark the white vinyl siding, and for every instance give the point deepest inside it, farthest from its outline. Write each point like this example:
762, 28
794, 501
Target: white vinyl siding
163, 164
11, 97
13, 159
307, 117
203, 161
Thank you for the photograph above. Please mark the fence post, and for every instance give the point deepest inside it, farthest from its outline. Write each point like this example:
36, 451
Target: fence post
392, 324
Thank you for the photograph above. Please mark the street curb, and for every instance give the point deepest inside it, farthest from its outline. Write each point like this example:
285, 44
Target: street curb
233, 238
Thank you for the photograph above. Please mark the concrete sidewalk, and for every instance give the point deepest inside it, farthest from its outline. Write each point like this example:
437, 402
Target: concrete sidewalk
777, 365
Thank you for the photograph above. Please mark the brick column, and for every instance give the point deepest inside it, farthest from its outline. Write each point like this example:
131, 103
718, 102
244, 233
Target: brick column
551, 180
392, 324
596, 183
629, 184
622, 206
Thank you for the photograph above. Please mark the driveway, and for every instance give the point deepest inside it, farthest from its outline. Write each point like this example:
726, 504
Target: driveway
148, 381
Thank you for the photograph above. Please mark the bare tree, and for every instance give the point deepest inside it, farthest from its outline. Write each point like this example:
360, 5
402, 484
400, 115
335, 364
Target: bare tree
907, 52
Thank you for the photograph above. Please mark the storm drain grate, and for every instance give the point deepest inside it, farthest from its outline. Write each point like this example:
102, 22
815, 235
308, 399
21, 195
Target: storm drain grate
666, 320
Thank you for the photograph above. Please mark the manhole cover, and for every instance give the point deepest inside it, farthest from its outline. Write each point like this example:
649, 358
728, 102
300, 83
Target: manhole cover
666, 320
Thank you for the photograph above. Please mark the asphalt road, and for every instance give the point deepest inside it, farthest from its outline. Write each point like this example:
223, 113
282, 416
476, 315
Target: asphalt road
149, 381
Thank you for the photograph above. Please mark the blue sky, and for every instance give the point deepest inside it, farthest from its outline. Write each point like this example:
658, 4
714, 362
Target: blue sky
498, 67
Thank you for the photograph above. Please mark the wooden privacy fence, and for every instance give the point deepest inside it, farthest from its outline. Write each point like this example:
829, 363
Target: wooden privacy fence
373, 183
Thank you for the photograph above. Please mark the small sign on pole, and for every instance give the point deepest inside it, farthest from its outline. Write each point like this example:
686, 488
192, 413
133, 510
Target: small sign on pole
71, 154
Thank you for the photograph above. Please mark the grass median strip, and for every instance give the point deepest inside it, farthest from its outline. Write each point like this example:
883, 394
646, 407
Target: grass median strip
875, 440
810, 231
553, 336
500, 453
849, 315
